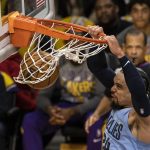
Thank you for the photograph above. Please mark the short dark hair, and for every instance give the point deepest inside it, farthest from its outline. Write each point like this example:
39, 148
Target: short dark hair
134, 31
141, 2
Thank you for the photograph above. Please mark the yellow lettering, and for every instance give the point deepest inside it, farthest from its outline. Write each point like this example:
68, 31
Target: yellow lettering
77, 88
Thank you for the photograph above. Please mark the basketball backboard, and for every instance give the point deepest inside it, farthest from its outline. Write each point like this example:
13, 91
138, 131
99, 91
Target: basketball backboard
34, 8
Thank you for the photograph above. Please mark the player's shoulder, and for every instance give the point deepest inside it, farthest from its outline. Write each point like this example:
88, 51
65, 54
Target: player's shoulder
122, 112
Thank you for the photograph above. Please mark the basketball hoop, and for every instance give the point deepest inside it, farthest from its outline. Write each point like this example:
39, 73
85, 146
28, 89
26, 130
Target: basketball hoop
30, 32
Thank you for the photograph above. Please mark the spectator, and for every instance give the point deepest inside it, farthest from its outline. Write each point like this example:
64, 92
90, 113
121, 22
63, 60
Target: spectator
25, 97
7, 94
79, 95
132, 123
65, 8
107, 16
135, 47
140, 14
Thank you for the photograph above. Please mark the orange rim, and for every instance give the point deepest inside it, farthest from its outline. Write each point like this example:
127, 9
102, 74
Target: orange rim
23, 26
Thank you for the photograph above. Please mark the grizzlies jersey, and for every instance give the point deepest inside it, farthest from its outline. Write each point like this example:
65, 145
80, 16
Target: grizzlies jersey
118, 136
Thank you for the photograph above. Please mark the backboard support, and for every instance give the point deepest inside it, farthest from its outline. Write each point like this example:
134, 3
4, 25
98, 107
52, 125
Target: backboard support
36, 8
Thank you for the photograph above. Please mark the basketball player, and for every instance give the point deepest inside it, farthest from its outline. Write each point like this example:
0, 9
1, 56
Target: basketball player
127, 128
135, 47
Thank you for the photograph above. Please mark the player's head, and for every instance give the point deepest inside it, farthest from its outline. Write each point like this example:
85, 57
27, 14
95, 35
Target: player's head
106, 11
121, 96
140, 13
135, 45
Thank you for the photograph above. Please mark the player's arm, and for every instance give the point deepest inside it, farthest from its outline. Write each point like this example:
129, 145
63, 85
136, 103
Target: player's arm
98, 66
140, 100
98, 63
103, 107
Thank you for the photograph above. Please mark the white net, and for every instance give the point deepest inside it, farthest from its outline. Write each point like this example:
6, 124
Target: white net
43, 54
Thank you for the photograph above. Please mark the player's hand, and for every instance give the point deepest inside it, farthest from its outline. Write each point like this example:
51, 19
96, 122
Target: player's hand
90, 121
94, 31
114, 46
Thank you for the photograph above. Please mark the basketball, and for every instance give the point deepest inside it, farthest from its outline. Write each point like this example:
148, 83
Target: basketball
35, 66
